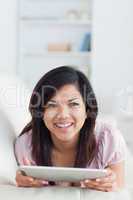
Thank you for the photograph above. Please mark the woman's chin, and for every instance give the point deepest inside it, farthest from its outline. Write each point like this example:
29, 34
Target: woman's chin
65, 137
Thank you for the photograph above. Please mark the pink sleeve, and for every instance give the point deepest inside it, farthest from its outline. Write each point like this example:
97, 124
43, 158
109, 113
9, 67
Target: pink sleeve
23, 148
112, 146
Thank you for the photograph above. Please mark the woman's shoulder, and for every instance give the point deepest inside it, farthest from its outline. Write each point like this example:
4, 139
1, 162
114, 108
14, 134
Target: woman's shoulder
24, 139
106, 128
23, 147
110, 142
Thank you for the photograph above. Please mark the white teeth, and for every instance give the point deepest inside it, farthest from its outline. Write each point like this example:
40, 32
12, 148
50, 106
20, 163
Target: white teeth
63, 125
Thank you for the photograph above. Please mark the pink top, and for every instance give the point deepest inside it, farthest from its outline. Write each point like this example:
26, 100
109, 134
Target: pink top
111, 146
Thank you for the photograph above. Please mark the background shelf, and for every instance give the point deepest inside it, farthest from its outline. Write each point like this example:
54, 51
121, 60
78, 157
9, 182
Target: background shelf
44, 24
55, 21
55, 54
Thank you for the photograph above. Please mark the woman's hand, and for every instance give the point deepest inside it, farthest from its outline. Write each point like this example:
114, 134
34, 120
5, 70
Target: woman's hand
26, 181
105, 184
22, 180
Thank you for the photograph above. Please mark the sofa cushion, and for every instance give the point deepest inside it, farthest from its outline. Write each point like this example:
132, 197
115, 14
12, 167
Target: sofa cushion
124, 194
129, 169
8, 164
59, 193
14, 100
49, 193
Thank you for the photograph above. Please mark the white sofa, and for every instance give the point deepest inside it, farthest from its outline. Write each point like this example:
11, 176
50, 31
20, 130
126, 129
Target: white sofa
12, 119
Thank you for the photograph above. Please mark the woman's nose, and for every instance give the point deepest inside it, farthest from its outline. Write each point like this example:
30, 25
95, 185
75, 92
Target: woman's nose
63, 112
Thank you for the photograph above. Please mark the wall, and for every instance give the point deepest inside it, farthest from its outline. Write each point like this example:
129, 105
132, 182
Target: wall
113, 44
8, 35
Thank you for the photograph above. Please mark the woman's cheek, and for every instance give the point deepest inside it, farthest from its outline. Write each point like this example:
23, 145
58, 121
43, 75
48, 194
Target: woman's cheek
79, 113
48, 119
49, 115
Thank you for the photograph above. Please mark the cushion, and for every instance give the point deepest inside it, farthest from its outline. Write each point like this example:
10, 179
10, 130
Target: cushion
59, 193
14, 100
129, 169
45, 193
8, 164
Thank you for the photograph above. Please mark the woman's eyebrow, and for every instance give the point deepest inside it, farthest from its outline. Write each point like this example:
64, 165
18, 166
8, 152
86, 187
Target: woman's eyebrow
73, 99
52, 101
69, 100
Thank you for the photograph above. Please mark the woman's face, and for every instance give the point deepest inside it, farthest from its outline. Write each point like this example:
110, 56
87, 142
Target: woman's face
65, 113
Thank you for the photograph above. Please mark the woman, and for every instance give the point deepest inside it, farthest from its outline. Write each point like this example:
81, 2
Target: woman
64, 132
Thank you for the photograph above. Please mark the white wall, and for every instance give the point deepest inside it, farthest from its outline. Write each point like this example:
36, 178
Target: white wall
112, 68
113, 44
8, 35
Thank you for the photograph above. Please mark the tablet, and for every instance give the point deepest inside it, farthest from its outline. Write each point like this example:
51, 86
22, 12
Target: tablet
62, 173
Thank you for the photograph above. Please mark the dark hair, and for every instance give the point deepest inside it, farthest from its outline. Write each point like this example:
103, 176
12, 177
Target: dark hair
42, 93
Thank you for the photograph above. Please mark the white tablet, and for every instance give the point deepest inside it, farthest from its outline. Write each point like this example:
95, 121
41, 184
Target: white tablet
62, 173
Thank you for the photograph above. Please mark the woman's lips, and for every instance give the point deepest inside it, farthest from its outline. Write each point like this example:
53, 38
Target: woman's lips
63, 125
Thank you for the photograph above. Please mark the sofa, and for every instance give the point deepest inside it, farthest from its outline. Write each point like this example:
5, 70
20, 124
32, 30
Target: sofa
13, 116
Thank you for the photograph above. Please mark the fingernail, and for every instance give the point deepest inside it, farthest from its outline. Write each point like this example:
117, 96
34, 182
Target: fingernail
82, 185
45, 182
26, 161
87, 181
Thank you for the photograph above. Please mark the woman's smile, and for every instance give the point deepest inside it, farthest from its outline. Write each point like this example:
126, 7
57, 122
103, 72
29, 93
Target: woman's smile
63, 125
64, 128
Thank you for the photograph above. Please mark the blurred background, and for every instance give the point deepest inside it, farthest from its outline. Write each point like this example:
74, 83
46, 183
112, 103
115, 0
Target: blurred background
95, 36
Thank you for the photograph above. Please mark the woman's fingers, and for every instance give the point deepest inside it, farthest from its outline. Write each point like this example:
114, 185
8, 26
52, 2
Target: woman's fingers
109, 179
38, 183
26, 181
26, 161
107, 183
97, 186
23, 180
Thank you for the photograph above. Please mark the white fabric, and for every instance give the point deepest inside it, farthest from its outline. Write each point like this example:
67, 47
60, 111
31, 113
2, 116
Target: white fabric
59, 193
47, 193
8, 164
129, 170
14, 100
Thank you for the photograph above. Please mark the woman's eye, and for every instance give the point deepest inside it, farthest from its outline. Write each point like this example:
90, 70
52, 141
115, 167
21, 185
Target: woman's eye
74, 104
51, 105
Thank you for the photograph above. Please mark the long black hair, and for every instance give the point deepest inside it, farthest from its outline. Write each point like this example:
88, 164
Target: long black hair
44, 90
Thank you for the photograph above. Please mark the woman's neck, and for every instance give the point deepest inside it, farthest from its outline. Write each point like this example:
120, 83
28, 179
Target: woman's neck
64, 153
65, 146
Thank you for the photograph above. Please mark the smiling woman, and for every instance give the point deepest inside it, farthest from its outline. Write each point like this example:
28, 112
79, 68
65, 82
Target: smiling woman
64, 132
